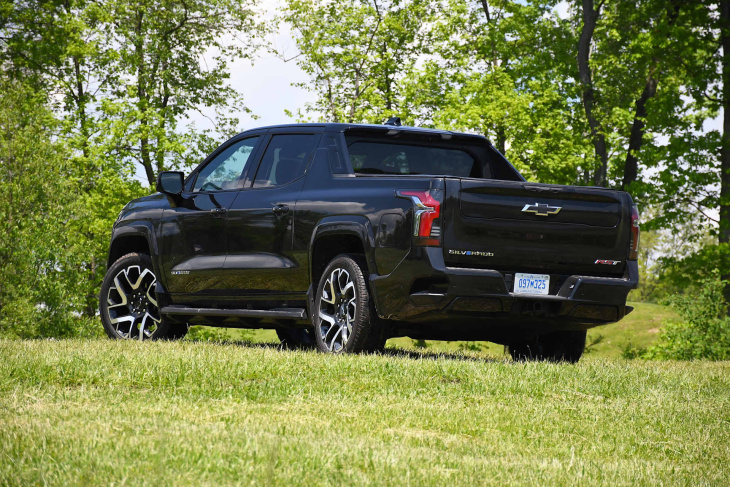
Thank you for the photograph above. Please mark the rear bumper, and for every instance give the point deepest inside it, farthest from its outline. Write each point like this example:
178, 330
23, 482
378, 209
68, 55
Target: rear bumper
422, 290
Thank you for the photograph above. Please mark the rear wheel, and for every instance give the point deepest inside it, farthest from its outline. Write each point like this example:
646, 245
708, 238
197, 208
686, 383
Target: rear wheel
559, 346
128, 302
344, 315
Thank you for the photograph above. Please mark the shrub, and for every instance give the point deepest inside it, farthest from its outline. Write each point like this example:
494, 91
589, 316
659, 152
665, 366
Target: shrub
703, 332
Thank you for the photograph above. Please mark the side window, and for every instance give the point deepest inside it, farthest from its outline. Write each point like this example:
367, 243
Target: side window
285, 159
226, 170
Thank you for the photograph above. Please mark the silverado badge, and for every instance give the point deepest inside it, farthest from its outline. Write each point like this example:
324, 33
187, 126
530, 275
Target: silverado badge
541, 210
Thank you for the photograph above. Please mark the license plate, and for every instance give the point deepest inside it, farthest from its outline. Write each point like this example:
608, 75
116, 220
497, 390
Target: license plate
532, 283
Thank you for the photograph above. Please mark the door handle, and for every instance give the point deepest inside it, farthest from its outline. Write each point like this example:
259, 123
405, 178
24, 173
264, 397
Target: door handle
281, 209
218, 212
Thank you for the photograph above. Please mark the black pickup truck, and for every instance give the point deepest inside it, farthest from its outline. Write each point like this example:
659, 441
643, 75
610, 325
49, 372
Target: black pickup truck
341, 236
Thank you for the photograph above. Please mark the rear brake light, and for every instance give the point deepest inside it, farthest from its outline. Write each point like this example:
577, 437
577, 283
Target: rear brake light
635, 234
427, 212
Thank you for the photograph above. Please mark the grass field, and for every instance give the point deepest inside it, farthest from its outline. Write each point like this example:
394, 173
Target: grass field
104, 412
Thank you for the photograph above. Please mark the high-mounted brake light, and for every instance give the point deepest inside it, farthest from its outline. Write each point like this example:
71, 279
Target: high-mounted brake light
427, 210
635, 233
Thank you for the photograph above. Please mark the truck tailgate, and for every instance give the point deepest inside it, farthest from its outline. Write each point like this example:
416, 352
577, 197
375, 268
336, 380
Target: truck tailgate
530, 227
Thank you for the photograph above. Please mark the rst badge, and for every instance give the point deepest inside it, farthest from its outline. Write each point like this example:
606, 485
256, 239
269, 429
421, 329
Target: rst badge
607, 262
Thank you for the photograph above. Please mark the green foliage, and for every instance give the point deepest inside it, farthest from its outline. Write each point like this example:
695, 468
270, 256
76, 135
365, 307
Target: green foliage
121, 78
39, 278
630, 350
357, 53
488, 72
174, 56
703, 332
689, 274
130, 73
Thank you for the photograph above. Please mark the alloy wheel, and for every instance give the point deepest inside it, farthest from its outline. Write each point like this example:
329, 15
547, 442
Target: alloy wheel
337, 309
132, 305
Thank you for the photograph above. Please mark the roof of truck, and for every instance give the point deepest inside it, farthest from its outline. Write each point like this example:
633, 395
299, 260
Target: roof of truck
342, 127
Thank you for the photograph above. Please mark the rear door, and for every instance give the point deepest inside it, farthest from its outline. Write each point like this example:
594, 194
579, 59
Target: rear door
260, 263
529, 227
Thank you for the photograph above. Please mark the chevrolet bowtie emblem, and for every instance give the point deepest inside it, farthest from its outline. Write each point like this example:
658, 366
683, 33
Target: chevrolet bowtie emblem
541, 210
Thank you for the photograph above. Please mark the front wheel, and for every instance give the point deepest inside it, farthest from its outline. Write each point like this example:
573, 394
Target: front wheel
128, 303
344, 315
558, 346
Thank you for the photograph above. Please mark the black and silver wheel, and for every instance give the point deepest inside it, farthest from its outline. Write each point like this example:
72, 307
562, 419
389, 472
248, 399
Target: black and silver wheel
344, 315
128, 303
558, 346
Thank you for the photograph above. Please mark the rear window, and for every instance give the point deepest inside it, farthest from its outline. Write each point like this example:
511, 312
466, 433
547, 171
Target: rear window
427, 154
369, 157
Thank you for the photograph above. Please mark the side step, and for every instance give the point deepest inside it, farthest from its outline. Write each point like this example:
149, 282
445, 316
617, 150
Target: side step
285, 313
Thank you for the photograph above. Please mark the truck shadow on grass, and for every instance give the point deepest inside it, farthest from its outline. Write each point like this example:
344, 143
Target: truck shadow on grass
388, 352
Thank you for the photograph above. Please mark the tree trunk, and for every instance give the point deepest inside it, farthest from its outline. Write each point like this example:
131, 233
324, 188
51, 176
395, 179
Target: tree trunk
501, 140
590, 18
631, 166
143, 103
725, 147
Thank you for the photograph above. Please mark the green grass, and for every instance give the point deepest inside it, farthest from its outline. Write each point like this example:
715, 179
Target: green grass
104, 412
640, 329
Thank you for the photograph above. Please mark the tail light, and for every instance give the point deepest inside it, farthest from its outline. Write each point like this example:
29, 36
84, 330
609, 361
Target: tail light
635, 234
427, 213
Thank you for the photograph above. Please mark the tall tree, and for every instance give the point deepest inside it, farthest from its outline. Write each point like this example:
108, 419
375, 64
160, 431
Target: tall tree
63, 47
498, 68
626, 52
173, 59
357, 53
130, 73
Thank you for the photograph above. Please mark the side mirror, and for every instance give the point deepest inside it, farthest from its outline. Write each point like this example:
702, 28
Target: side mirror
170, 182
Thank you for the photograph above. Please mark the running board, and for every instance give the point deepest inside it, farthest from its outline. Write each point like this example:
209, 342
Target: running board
284, 313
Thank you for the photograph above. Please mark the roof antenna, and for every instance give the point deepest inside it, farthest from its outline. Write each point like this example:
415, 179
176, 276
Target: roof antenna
395, 121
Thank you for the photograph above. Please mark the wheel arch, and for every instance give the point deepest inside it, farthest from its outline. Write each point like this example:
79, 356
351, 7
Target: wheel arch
130, 239
334, 236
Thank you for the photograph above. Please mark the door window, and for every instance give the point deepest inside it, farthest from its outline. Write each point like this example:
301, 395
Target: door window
226, 171
285, 159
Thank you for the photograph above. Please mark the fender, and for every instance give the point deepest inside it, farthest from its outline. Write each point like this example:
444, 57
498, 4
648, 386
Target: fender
139, 228
358, 226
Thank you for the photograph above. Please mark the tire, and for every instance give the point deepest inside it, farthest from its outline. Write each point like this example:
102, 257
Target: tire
128, 303
296, 338
559, 346
344, 317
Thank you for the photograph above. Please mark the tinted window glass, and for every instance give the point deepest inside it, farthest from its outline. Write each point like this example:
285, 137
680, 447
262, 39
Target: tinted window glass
394, 158
337, 165
285, 159
226, 170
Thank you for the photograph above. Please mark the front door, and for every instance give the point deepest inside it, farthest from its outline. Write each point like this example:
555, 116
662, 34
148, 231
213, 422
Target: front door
261, 225
194, 229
